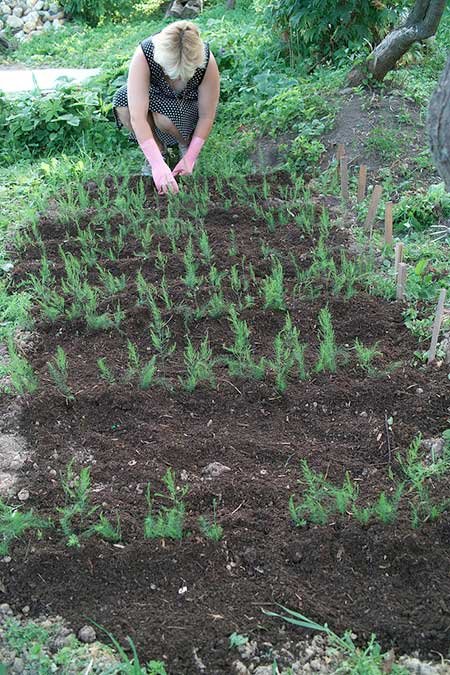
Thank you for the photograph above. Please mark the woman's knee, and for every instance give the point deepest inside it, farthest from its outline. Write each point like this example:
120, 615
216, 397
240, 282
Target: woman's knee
123, 115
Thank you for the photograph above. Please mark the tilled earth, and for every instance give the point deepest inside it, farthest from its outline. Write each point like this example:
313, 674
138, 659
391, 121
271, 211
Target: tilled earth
175, 599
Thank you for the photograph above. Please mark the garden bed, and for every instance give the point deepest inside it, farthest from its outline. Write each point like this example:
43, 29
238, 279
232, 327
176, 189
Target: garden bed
173, 597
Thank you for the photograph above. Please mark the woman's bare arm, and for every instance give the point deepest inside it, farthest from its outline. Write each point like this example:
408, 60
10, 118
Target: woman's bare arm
138, 92
208, 99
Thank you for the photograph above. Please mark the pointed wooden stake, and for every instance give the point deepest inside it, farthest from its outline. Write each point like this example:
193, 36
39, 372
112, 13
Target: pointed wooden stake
362, 183
340, 152
437, 325
388, 224
401, 280
398, 256
373, 208
344, 178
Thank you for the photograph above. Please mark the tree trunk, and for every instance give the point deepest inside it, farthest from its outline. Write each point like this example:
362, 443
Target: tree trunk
422, 22
439, 125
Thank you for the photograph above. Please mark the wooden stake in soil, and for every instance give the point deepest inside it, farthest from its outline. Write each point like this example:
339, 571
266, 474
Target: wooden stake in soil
398, 256
437, 325
362, 183
401, 280
388, 224
340, 152
344, 177
373, 208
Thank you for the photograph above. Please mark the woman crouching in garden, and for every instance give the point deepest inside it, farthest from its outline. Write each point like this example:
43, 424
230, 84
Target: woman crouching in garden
170, 99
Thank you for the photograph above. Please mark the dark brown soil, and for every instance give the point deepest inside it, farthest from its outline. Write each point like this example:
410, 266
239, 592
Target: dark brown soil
391, 580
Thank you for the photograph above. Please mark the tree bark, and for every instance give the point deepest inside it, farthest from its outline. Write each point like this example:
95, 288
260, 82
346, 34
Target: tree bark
422, 22
439, 125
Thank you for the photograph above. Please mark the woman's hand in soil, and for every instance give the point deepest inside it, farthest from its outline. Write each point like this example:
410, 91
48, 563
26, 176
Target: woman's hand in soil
161, 173
163, 179
186, 164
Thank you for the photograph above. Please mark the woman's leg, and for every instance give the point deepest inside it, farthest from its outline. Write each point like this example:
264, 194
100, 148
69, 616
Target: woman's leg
165, 124
123, 114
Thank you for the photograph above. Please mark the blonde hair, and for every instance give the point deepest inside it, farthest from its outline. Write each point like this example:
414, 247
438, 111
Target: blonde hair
179, 50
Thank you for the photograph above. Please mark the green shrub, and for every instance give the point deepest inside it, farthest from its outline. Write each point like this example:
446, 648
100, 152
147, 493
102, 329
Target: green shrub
419, 211
41, 123
321, 27
93, 12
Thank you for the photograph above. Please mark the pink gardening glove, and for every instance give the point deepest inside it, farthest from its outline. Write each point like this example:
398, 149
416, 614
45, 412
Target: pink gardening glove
161, 173
186, 164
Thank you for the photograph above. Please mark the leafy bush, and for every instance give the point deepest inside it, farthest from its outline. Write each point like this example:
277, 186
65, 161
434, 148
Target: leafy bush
419, 211
95, 11
45, 123
319, 28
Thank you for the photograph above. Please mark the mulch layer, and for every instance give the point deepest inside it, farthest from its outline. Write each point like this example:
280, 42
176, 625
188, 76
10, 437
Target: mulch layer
173, 598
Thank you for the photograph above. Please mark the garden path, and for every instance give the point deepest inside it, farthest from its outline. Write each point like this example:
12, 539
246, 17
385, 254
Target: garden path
16, 80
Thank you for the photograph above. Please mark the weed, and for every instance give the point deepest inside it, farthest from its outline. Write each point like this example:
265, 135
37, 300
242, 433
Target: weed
359, 661
210, 528
168, 523
133, 666
58, 370
237, 640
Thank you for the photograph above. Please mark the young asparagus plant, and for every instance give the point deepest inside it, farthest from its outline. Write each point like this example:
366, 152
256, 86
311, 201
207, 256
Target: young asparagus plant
58, 370
199, 365
242, 363
328, 352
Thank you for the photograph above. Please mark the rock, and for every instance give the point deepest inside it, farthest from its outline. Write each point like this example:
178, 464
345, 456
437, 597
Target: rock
25, 610
419, 391
435, 446
417, 667
39, 5
18, 666
214, 470
31, 22
248, 650
20, 35
47, 26
57, 23
263, 670
18, 11
2, 25
87, 634
61, 640
14, 22
53, 8
5, 609
5, 9
23, 495
238, 668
